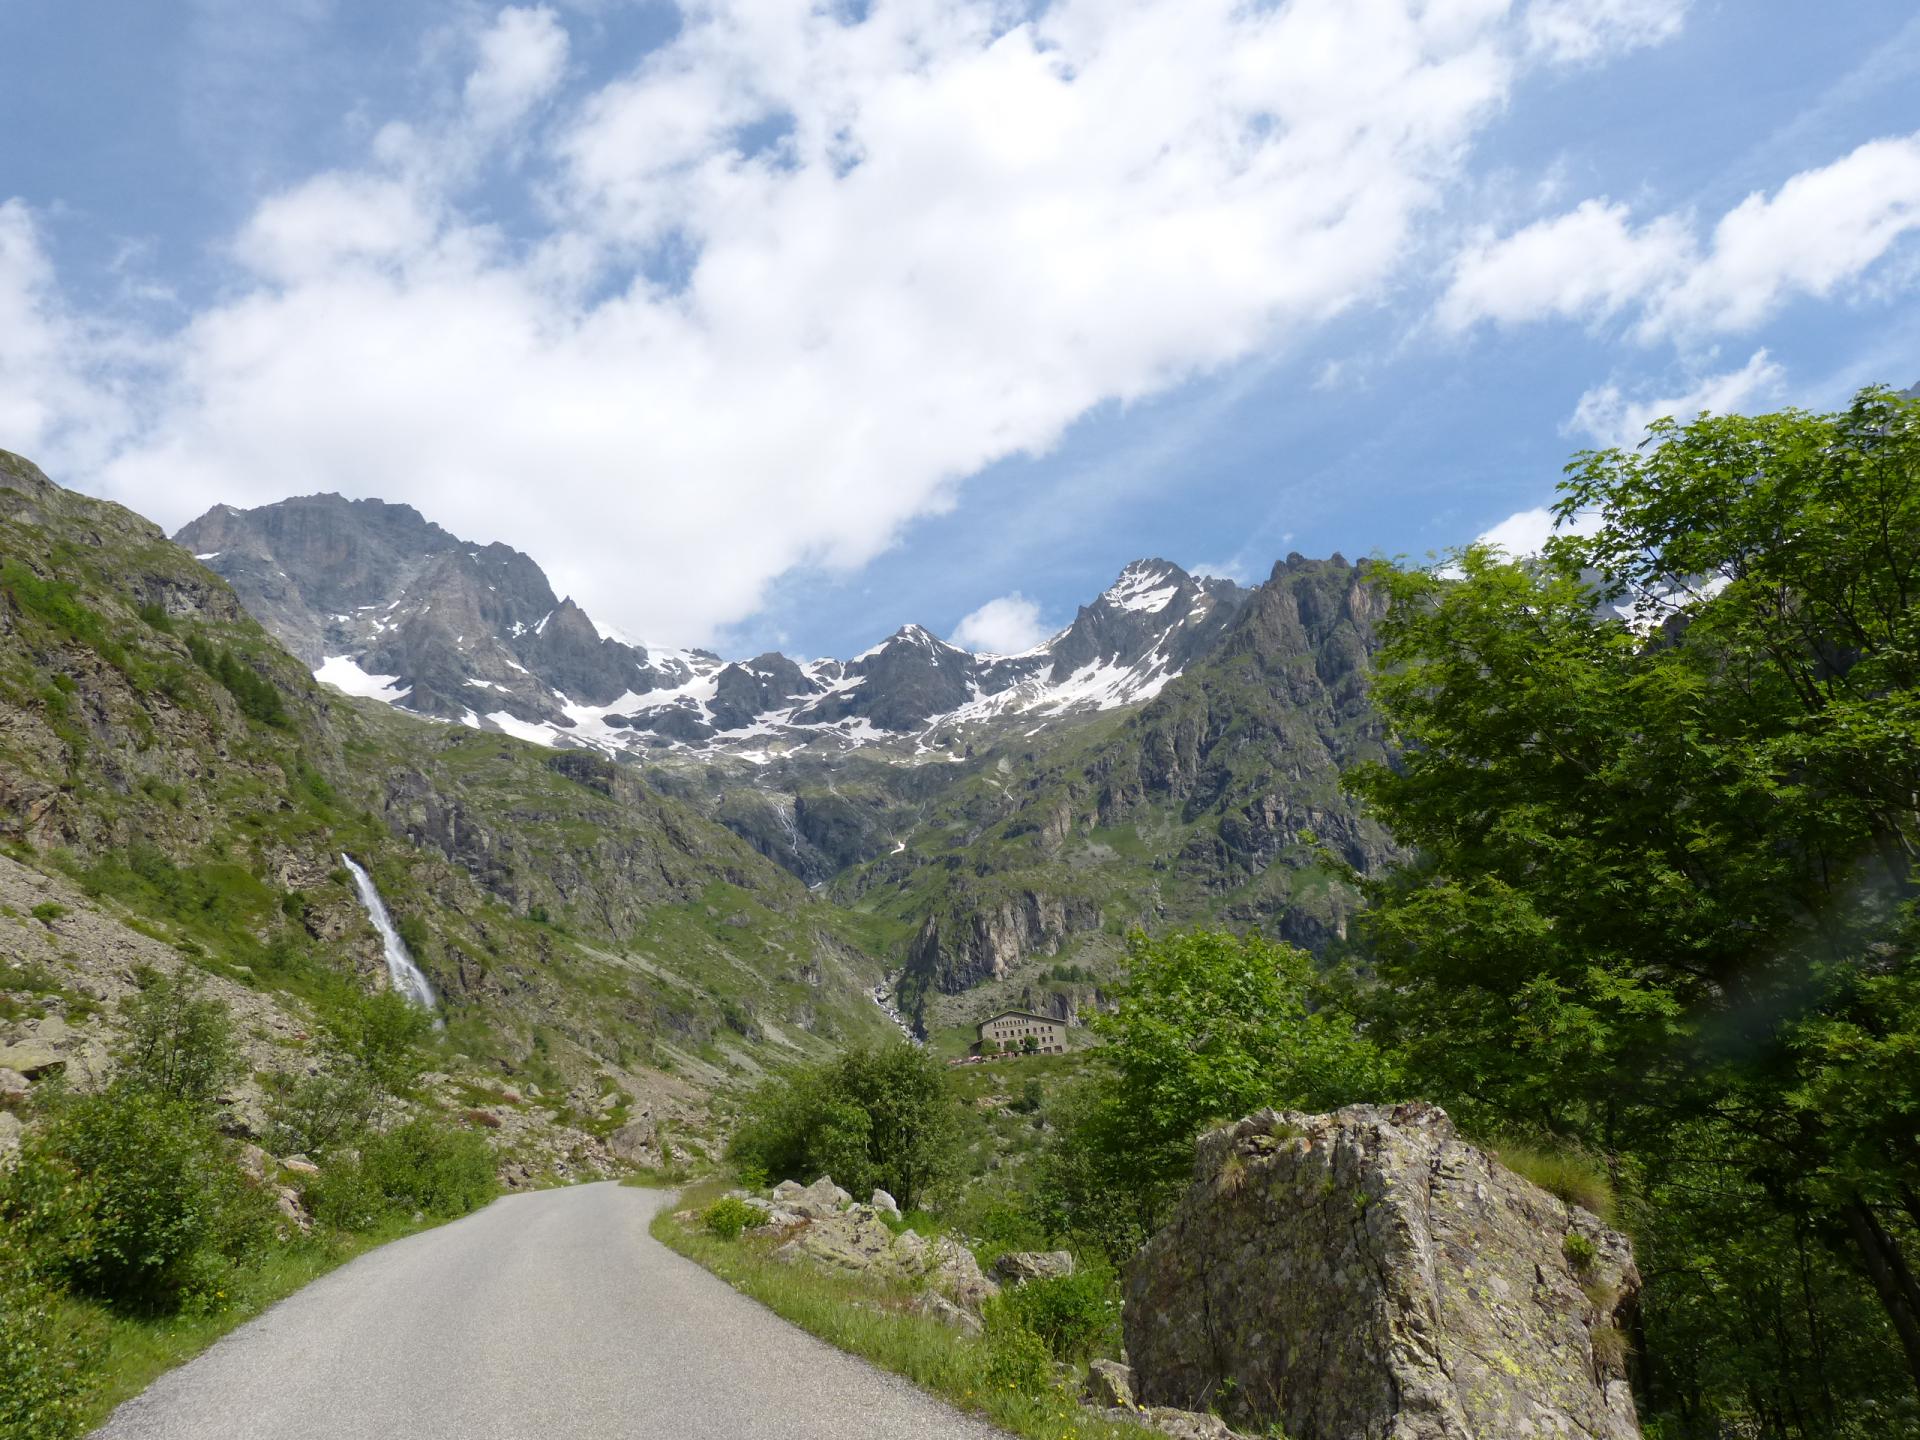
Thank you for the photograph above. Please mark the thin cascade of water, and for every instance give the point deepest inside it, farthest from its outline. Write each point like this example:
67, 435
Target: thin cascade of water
405, 975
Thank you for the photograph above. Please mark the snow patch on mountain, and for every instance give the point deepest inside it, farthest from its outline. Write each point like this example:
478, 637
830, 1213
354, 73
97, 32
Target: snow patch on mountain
342, 672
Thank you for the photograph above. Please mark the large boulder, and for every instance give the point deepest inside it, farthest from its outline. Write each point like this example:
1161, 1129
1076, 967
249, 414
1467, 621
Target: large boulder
635, 1142
1369, 1273
856, 1243
31, 1058
1109, 1385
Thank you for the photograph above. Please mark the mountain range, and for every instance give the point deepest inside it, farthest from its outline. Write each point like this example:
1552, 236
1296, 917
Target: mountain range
380, 602
1172, 756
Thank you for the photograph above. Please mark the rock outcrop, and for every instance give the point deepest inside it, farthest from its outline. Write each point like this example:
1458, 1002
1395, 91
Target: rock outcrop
1017, 1267
1369, 1274
982, 939
823, 1227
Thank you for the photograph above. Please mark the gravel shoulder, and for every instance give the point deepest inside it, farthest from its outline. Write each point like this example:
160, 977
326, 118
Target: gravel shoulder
552, 1315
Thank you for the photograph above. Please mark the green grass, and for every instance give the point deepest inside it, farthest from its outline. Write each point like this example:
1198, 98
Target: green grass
137, 1350
1575, 1178
876, 1322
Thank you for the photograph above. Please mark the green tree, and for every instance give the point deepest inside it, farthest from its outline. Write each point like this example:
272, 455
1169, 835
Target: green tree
1208, 1027
1661, 784
177, 1041
1211, 1025
880, 1117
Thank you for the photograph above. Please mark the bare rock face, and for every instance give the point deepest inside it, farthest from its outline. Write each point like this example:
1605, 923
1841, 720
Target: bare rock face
1369, 1274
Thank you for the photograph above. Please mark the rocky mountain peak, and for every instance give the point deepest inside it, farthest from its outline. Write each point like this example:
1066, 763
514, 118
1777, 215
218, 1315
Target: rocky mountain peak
384, 603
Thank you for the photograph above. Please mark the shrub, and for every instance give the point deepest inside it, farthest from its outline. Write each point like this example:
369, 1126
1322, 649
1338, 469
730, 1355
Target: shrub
47, 1361
1076, 1316
252, 691
1580, 1252
1018, 1360
170, 1211
373, 1056
381, 1035
46, 1210
419, 1166
729, 1215
314, 1114
345, 1196
177, 1041
47, 912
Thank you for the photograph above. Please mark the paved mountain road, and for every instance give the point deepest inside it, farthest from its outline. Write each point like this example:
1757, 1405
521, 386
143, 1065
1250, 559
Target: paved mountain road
547, 1316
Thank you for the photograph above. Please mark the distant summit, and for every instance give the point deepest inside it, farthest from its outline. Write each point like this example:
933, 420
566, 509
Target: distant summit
383, 603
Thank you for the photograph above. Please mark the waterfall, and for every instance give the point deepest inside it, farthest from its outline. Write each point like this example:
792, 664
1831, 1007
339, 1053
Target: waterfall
401, 970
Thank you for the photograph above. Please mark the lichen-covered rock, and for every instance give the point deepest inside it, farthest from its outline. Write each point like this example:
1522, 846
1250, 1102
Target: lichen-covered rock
844, 1242
31, 1058
854, 1239
952, 1270
935, 1306
1370, 1274
1017, 1267
1109, 1385
820, 1199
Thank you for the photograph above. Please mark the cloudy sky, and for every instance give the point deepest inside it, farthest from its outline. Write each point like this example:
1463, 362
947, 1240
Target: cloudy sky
781, 322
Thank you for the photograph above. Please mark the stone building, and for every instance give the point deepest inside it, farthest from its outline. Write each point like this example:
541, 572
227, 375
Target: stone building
1010, 1028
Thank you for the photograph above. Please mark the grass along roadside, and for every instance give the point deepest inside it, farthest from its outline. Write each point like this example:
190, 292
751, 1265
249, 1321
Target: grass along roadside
1010, 1380
135, 1350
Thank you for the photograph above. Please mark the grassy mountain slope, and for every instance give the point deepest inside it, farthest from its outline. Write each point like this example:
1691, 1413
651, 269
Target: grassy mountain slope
1025, 875
159, 747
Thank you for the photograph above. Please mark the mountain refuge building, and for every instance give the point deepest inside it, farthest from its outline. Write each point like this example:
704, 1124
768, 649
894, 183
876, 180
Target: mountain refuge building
1010, 1029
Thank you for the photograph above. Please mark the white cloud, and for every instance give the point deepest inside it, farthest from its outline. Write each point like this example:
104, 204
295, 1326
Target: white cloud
1821, 230
522, 57
1584, 30
799, 276
60, 378
1586, 264
1526, 532
1005, 626
1612, 417
1522, 533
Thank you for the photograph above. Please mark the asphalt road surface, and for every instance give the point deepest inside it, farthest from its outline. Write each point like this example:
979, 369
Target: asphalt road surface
547, 1316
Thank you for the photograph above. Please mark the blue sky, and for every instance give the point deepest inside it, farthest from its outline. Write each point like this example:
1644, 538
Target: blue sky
766, 328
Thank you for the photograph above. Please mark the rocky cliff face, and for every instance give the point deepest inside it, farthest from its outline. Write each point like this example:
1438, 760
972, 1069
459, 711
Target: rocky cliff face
1368, 1273
983, 941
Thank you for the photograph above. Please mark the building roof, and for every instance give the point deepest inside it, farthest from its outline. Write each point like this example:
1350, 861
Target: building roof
1020, 1015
